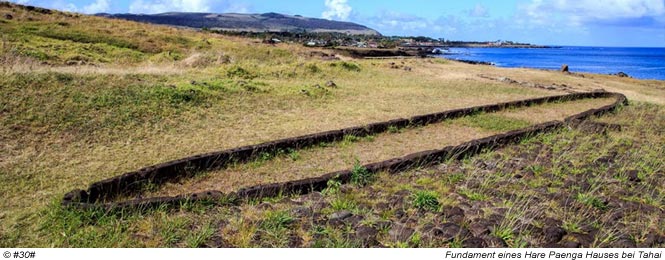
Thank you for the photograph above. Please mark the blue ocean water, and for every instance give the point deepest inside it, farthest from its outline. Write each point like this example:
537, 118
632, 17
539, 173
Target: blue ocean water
642, 63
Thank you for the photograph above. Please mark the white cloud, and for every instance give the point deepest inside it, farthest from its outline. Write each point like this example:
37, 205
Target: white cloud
337, 9
162, 6
479, 11
98, 6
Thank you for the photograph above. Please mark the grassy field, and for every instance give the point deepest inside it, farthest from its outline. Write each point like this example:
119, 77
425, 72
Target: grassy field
87, 98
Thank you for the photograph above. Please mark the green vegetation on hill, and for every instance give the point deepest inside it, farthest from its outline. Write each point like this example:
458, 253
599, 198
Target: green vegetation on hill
55, 37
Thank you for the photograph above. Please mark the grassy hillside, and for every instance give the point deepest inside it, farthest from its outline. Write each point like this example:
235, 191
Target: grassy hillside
87, 98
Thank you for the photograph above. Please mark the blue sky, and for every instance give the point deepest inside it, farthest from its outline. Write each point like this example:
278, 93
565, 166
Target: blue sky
553, 22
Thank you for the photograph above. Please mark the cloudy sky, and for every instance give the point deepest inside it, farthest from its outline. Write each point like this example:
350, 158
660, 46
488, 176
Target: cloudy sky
555, 22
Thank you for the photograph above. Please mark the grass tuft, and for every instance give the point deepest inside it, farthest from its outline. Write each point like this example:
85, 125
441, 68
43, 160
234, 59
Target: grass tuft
426, 200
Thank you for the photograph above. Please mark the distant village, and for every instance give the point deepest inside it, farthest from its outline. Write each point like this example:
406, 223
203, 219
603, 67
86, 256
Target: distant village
316, 39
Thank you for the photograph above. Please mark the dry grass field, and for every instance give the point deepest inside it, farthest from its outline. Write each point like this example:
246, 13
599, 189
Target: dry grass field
87, 98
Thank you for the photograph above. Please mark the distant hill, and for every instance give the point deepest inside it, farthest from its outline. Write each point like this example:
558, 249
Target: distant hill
272, 22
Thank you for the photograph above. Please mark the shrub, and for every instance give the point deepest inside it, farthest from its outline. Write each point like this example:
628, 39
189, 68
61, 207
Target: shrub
360, 175
239, 72
426, 200
350, 66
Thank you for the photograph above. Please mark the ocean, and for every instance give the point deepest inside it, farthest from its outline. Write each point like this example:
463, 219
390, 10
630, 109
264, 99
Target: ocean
641, 63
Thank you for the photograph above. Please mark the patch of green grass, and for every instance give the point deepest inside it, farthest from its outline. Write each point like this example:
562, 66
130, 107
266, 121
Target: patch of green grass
426, 200
276, 220
425, 181
172, 229
349, 66
536, 169
571, 226
393, 129
472, 195
240, 72
591, 200
360, 175
312, 68
493, 122
294, 155
198, 237
68, 227
349, 139
503, 232
343, 203
333, 186
454, 178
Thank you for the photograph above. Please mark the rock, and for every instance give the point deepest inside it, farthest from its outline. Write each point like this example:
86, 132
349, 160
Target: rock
8, 17
479, 228
316, 206
295, 241
407, 68
553, 234
448, 231
427, 227
570, 244
621, 74
315, 196
495, 242
552, 222
354, 220
449, 211
300, 212
381, 206
649, 240
564, 68
474, 242
264, 206
367, 235
474, 213
216, 241
399, 214
495, 219
331, 84
346, 189
400, 233
339, 216
396, 201
632, 176
624, 243
584, 240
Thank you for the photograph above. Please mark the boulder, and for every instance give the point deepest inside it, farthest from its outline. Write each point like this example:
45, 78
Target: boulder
564, 68
340, 215
367, 235
553, 234
622, 75
401, 233
331, 84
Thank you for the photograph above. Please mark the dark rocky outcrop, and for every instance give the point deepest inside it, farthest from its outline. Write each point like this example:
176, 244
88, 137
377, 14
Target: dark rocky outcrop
564, 68
621, 75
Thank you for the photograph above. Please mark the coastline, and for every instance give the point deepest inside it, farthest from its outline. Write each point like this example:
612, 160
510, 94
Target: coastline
639, 63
